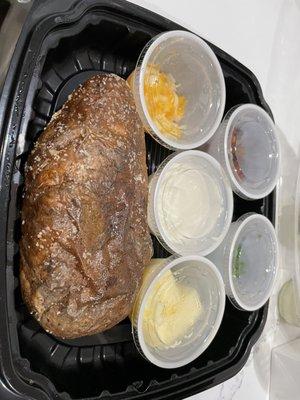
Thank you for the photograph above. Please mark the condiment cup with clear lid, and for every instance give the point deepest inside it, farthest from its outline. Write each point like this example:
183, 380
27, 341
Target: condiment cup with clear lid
190, 203
248, 261
247, 146
197, 75
178, 310
289, 295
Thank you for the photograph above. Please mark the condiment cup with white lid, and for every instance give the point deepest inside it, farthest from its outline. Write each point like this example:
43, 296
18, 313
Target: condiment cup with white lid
197, 76
248, 261
247, 146
178, 310
190, 203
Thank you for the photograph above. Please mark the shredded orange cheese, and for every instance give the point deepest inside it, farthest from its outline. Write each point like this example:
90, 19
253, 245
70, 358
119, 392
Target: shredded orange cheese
165, 106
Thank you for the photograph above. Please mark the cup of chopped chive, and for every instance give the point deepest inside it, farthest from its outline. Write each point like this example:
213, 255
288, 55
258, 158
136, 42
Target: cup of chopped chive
248, 261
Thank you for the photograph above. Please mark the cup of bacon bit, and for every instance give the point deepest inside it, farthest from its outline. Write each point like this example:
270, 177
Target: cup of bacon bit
247, 146
179, 90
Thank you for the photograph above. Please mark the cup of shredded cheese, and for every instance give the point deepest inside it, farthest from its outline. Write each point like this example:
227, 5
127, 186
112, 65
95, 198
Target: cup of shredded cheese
178, 310
179, 90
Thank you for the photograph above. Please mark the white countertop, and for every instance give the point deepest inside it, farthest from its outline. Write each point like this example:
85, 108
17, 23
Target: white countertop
264, 35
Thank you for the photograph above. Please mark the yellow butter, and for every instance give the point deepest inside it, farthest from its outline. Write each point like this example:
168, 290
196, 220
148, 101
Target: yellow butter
170, 313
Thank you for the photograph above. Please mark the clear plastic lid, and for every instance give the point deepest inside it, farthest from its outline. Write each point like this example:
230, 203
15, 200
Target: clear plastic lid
285, 362
190, 203
178, 310
296, 279
289, 296
179, 90
247, 146
254, 262
248, 260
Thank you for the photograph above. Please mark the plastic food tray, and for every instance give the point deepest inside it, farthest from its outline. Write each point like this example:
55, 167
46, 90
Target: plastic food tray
62, 44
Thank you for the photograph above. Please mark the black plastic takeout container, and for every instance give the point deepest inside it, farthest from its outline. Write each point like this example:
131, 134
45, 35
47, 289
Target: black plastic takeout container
61, 45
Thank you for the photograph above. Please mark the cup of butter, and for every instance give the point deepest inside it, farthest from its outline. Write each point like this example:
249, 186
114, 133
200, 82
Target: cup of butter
178, 310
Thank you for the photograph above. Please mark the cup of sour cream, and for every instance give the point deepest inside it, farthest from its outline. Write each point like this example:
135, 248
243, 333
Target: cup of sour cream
190, 203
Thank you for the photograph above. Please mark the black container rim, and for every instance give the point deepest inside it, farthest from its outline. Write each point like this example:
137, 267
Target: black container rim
16, 378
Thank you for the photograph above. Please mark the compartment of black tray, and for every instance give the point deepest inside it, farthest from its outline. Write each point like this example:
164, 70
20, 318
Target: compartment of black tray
93, 37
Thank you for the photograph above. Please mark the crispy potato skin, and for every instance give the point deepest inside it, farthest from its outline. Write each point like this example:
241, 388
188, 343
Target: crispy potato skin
85, 240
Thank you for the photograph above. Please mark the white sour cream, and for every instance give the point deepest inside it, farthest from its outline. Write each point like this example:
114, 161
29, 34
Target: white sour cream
189, 203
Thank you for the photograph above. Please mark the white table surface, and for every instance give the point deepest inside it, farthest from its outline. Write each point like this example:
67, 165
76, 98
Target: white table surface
264, 35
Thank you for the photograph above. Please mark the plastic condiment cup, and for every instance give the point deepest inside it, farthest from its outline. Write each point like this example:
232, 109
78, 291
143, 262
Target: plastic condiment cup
190, 203
247, 146
248, 261
198, 77
289, 295
198, 276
